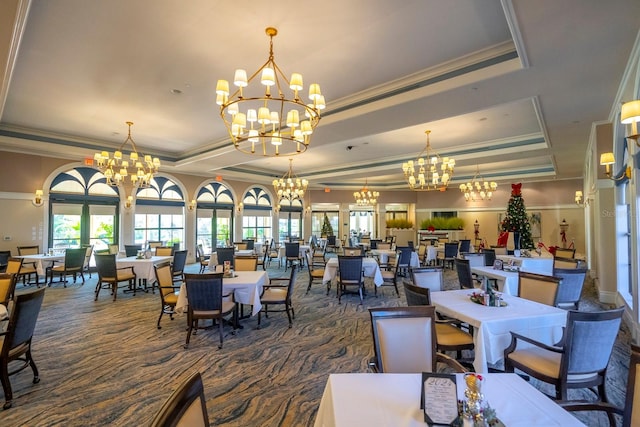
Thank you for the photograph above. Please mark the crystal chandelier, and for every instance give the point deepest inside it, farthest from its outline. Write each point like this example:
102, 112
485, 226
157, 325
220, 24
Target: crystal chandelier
139, 168
478, 188
290, 187
426, 176
366, 197
264, 123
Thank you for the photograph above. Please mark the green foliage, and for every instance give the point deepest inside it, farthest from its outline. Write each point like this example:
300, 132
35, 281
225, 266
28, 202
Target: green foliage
442, 223
327, 229
399, 223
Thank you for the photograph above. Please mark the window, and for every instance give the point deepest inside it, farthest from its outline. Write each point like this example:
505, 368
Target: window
214, 216
290, 220
256, 217
159, 213
84, 210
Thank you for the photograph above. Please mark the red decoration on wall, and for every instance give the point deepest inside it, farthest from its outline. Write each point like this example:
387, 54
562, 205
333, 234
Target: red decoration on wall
516, 189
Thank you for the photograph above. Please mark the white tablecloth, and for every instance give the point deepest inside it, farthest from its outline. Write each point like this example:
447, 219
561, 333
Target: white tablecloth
384, 254
369, 265
213, 258
507, 280
535, 264
41, 261
372, 400
492, 324
143, 267
246, 289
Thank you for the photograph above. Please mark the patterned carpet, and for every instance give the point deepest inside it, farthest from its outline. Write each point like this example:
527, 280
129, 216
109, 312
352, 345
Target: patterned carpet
105, 363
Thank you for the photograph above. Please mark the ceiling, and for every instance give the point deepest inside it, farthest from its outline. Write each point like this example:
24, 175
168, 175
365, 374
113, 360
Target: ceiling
509, 87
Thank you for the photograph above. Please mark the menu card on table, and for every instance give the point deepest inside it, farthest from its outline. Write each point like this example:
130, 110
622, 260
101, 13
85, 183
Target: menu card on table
439, 399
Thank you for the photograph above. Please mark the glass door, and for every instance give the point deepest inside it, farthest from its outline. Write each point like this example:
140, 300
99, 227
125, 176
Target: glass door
213, 228
76, 224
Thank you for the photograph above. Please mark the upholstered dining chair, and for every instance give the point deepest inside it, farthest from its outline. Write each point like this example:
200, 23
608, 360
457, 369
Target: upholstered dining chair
476, 259
29, 268
114, 249
132, 250
152, 244
186, 406
164, 250
489, 256
316, 270
428, 277
225, 254
250, 244
111, 276
14, 266
202, 259
570, 288
292, 254
579, 360
167, 290
450, 254
73, 264
86, 267
449, 333
465, 245
565, 253
205, 301
16, 343
350, 274
466, 279
7, 287
240, 246
560, 262
538, 287
391, 277
278, 292
178, 264
245, 263
4, 260
404, 340
631, 411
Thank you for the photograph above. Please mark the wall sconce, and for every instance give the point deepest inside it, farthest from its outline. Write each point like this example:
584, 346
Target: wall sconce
630, 115
128, 203
239, 207
606, 160
37, 199
192, 205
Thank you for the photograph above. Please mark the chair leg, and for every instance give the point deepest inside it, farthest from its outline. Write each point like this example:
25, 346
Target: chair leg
160, 317
186, 344
287, 308
6, 386
220, 322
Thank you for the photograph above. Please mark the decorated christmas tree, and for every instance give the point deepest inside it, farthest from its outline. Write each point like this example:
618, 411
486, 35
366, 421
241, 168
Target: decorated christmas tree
327, 229
517, 220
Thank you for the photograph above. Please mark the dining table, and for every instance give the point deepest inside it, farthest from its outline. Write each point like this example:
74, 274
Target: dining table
41, 261
492, 325
533, 264
143, 267
506, 280
246, 287
372, 400
369, 265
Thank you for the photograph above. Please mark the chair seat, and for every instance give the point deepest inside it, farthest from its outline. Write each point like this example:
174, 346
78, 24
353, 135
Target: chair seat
386, 274
273, 295
449, 335
227, 307
171, 299
27, 269
317, 273
545, 362
121, 277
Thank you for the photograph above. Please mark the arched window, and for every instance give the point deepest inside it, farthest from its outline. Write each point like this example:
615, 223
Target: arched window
214, 216
256, 217
83, 210
159, 213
